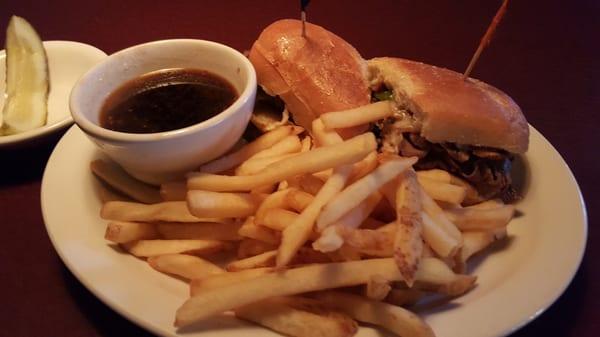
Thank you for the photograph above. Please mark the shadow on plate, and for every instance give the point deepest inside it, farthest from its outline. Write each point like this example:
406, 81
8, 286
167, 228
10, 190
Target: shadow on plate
496, 246
106, 322
220, 322
520, 175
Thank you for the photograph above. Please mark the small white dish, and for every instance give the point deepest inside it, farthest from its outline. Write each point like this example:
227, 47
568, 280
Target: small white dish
67, 62
515, 284
163, 156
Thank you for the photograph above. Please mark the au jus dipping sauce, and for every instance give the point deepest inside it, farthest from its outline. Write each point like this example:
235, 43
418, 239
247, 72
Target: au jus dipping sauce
166, 100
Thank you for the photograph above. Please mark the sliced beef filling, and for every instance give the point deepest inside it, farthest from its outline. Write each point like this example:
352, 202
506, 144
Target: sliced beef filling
487, 169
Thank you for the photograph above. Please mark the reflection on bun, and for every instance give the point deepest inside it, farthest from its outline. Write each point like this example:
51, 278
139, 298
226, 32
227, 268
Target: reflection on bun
312, 75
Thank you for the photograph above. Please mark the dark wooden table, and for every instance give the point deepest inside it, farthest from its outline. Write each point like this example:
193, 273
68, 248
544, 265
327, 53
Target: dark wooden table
544, 55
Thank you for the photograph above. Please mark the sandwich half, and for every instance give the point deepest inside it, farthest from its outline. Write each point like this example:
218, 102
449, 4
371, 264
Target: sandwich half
465, 127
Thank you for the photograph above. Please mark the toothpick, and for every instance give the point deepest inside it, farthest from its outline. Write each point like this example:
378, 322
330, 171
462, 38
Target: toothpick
303, 5
487, 37
303, 17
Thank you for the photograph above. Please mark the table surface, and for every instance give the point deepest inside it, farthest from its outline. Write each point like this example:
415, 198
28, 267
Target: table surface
544, 55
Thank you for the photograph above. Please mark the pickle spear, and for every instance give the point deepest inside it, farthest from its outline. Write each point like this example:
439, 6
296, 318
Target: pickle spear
27, 79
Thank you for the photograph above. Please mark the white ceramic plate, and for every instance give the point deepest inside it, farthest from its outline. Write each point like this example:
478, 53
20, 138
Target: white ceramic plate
516, 282
67, 61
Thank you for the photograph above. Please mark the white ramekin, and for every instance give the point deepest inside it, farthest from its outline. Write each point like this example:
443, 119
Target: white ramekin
163, 156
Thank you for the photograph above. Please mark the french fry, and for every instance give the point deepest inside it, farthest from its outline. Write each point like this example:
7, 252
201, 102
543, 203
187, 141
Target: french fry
306, 279
266, 259
283, 185
251, 247
408, 244
253, 231
471, 195
173, 211
289, 144
209, 204
122, 231
357, 116
147, 248
324, 136
264, 189
173, 191
298, 200
201, 230
435, 174
356, 216
299, 231
186, 266
443, 192
118, 179
324, 175
435, 275
317, 160
437, 238
255, 165
390, 317
377, 288
468, 219
274, 200
493, 203
404, 297
278, 218
474, 242
199, 286
389, 228
330, 239
364, 167
439, 217
352, 195
232, 160
298, 317
369, 242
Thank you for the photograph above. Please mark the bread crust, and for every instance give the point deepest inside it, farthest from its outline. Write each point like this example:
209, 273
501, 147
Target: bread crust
312, 75
451, 109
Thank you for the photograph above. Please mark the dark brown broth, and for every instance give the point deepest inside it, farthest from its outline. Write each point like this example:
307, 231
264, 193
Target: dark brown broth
166, 100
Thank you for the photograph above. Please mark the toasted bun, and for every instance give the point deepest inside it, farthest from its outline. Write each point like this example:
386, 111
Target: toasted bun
312, 75
451, 109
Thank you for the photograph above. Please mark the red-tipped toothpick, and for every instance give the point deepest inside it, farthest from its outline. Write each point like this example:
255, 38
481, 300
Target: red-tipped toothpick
487, 37
303, 5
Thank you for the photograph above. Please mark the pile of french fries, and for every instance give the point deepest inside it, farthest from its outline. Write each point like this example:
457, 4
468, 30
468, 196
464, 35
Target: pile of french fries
322, 232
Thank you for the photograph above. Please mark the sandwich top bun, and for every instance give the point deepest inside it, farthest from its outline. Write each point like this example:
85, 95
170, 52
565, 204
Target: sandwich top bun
451, 109
312, 75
